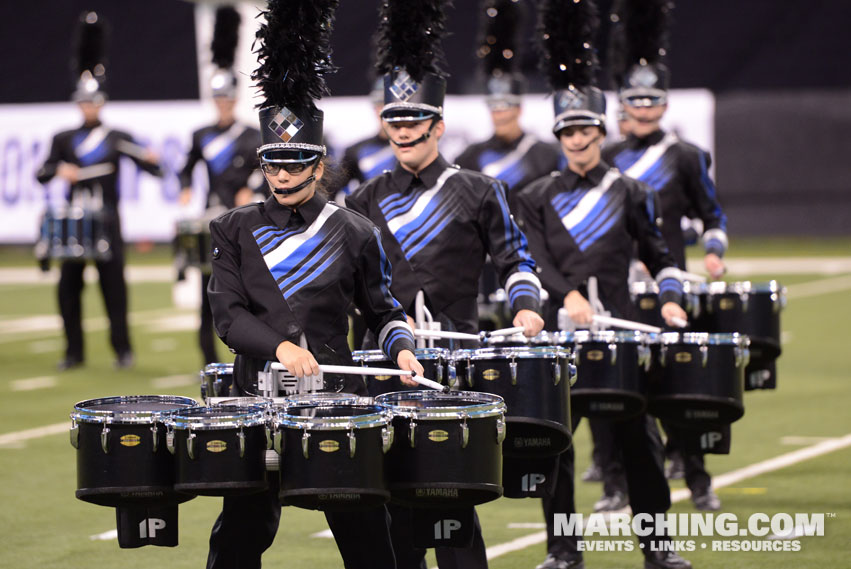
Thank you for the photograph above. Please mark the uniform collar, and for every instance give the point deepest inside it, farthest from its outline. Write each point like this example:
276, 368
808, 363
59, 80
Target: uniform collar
502, 144
571, 179
649, 140
401, 178
309, 211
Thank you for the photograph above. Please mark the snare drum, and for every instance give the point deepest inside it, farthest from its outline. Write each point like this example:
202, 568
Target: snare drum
122, 458
435, 361
192, 244
611, 367
332, 452
216, 380
698, 378
74, 233
447, 449
534, 381
645, 297
220, 451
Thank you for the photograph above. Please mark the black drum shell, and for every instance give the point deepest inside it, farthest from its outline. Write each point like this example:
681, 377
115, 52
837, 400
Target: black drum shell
538, 407
333, 480
218, 469
438, 471
607, 389
648, 308
130, 474
684, 391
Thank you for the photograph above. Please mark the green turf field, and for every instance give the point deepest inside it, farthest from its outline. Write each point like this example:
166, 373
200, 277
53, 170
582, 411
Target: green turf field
44, 526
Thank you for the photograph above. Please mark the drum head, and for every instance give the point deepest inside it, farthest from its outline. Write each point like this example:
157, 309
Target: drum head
129, 408
219, 417
438, 405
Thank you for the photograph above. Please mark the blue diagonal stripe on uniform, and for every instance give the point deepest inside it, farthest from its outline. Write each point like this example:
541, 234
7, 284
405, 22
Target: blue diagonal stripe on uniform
566, 201
222, 160
415, 247
514, 238
627, 158
386, 269
95, 155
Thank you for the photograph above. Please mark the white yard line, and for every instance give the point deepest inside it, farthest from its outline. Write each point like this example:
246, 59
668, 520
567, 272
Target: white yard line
36, 433
819, 287
170, 381
33, 383
133, 273
780, 266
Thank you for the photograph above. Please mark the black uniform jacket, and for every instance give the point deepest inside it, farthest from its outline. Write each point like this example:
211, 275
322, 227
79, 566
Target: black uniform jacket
230, 154
272, 281
94, 145
586, 226
438, 227
679, 172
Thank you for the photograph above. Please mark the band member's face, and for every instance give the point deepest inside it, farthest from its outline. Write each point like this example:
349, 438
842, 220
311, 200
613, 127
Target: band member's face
225, 107
644, 120
581, 146
283, 180
505, 119
90, 110
414, 158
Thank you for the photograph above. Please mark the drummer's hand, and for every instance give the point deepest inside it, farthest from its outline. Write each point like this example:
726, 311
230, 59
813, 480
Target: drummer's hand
714, 266
672, 310
68, 172
412, 323
578, 308
243, 196
530, 320
298, 361
406, 360
185, 196
150, 156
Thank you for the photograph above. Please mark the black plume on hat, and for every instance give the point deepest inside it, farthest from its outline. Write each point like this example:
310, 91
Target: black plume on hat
88, 65
501, 21
639, 44
409, 35
225, 36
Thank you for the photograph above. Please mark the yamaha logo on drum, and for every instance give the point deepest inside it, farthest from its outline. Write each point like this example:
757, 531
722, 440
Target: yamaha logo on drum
329, 446
726, 304
217, 446
381, 377
490, 374
682, 357
647, 303
438, 435
595, 355
130, 440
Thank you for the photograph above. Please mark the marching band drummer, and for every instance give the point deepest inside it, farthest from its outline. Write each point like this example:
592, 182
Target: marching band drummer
88, 159
677, 171
285, 271
229, 152
583, 222
438, 220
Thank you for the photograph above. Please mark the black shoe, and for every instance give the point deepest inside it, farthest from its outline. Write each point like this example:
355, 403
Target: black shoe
68, 363
707, 501
611, 502
553, 562
676, 469
125, 360
592, 474
665, 560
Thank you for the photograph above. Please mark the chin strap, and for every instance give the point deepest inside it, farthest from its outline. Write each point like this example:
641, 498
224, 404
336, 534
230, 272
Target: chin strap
421, 139
294, 189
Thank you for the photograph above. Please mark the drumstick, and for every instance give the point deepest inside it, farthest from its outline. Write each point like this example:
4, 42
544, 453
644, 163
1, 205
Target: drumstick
362, 370
628, 324
95, 171
445, 334
132, 149
679, 322
504, 331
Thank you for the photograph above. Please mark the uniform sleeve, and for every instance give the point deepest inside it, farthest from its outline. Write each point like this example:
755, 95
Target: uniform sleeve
652, 249
532, 223
133, 149
191, 159
383, 313
358, 201
234, 322
509, 250
48, 169
704, 200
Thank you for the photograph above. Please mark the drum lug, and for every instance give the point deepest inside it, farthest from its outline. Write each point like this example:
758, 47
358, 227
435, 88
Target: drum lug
241, 437
572, 374
743, 357
104, 438
576, 352
512, 365
412, 434
453, 374
644, 357
663, 351
269, 442
439, 372
704, 354
75, 434
353, 442
305, 443
387, 438
465, 432
613, 353
190, 444
169, 436
471, 369
556, 372
155, 438
745, 297
277, 441
500, 429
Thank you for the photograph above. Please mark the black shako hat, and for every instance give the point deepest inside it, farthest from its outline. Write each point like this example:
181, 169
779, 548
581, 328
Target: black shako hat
89, 63
223, 46
498, 52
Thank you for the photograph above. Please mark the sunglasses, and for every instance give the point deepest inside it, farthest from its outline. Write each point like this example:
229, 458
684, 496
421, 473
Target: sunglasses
273, 169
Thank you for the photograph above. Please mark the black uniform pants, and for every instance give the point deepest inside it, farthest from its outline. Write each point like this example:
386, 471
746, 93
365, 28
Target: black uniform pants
641, 448
206, 334
248, 524
114, 290
697, 478
607, 455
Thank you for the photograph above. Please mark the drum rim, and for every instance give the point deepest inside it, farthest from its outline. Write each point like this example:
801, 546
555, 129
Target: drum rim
379, 355
249, 401
381, 418
542, 339
519, 352
85, 414
742, 287
247, 416
325, 397
217, 368
494, 407
610, 336
644, 287
705, 338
